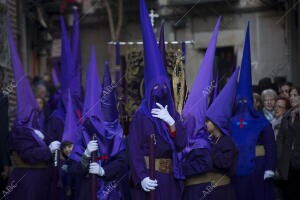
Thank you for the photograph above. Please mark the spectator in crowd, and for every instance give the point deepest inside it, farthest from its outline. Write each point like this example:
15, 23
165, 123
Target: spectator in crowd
41, 113
278, 81
4, 122
282, 105
257, 102
268, 97
265, 83
288, 145
46, 78
48, 82
255, 89
70, 184
35, 80
41, 91
284, 89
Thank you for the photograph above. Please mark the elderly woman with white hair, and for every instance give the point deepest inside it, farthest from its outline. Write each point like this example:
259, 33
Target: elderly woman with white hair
268, 97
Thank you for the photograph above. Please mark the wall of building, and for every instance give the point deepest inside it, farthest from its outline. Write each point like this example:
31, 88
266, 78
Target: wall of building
97, 35
270, 52
269, 49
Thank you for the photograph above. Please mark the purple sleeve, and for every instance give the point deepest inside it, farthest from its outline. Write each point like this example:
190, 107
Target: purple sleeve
224, 154
78, 168
197, 162
115, 166
35, 154
180, 139
54, 130
136, 156
268, 140
27, 147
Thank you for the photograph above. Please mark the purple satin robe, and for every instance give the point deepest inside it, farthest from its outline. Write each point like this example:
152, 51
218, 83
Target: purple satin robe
29, 183
197, 162
254, 187
138, 146
222, 159
55, 128
108, 186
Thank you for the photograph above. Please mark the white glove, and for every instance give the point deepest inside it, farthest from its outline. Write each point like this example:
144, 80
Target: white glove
163, 114
91, 147
39, 134
95, 168
64, 168
55, 145
268, 174
148, 184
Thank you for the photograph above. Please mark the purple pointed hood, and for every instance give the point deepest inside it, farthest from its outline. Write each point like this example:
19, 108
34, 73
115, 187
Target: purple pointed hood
244, 108
246, 123
220, 110
108, 100
109, 140
26, 101
76, 51
244, 99
92, 117
70, 133
93, 90
109, 106
154, 69
245, 80
69, 77
197, 102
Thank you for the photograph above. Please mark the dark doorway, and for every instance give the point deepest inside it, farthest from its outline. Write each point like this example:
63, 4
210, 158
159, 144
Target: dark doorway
225, 64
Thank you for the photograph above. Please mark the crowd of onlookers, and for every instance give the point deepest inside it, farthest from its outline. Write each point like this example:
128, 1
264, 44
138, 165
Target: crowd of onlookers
280, 104
274, 104
44, 91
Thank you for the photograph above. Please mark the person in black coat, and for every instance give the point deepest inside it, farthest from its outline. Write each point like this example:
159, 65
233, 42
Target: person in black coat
4, 128
288, 147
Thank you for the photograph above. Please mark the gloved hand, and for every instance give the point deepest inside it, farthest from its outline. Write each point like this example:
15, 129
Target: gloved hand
91, 147
55, 145
148, 184
163, 114
95, 168
64, 168
268, 174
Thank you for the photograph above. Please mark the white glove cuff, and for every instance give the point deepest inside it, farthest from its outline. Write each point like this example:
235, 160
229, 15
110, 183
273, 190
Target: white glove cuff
87, 154
270, 172
101, 171
171, 122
